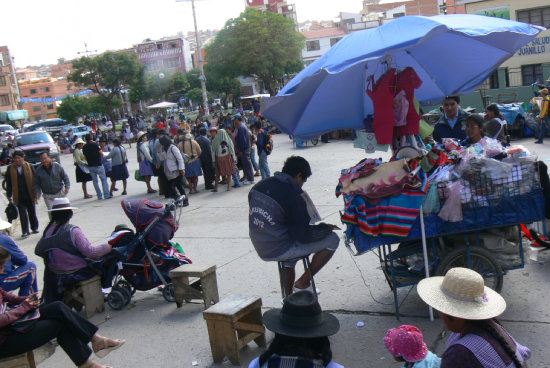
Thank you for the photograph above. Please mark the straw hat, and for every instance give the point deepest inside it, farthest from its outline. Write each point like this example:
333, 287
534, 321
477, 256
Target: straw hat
61, 204
301, 316
461, 293
79, 141
139, 135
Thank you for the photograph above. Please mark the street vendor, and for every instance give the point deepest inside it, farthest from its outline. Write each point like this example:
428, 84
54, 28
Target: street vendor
452, 123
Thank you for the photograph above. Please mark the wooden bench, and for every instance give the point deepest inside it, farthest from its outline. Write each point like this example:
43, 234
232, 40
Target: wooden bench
87, 294
232, 324
205, 287
25, 360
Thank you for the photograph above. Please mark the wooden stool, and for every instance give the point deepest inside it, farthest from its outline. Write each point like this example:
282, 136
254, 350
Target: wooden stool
86, 294
25, 360
205, 287
232, 324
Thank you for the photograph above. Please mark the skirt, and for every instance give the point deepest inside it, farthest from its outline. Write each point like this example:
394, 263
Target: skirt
225, 165
193, 169
119, 172
81, 176
145, 168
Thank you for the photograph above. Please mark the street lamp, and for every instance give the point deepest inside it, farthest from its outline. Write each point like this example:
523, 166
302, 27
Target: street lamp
161, 77
202, 78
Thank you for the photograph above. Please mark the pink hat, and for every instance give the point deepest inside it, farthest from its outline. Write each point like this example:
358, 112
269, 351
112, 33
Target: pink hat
406, 341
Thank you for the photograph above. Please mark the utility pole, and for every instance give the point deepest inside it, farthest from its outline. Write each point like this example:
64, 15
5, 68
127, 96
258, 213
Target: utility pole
198, 52
86, 51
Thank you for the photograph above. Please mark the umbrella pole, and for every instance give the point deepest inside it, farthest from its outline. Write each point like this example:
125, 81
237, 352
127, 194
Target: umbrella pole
425, 252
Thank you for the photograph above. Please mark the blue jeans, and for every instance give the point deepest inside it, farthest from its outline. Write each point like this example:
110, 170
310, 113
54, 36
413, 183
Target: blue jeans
264, 167
22, 278
253, 159
235, 177
544, 126
99, 171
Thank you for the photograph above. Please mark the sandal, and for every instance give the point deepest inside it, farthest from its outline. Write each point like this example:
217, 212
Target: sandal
124, 193
87, 196
106, 347
92, 364
213, 190
151, 191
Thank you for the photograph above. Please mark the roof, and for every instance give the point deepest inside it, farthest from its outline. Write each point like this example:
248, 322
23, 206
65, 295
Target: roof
325, 32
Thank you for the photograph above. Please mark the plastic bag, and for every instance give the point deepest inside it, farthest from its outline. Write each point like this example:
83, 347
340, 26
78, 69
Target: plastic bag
431, 201
452, 209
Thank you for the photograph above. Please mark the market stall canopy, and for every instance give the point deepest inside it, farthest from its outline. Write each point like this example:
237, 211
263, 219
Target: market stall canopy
13, 115
452, 54
162, 105
261, 95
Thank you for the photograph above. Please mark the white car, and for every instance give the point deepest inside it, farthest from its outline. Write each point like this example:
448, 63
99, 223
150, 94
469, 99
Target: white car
6, 129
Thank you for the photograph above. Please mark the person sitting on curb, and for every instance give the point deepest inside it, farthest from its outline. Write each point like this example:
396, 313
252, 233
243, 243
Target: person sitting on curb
301, 334
279, 223
19, 272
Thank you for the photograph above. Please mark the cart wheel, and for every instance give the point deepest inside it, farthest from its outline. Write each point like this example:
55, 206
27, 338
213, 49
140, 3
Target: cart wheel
168, 293
125, 293
126, 285
115, 299
314, 141
482, 262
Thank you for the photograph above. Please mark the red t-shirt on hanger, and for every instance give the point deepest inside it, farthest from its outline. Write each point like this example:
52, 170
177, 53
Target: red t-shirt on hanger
382, 95
408, 81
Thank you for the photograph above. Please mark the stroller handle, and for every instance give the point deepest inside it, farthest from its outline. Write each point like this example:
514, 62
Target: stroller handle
178, 201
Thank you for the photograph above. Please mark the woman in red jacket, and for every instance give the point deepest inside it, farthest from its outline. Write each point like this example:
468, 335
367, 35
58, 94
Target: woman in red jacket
73, 332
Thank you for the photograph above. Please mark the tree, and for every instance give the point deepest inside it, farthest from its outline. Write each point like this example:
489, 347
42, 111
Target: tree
262, 44
107, 75
73, 107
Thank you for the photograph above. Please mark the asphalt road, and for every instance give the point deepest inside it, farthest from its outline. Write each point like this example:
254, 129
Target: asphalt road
214, 230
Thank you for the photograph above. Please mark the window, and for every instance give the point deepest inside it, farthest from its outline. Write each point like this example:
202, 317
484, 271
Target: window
159, 46
2, 80
537, 16
307, 62
50, 106
172, 63
172, 45
46, 89
531, 74
33, 91
36, 109
398, 15
313, 45
4, 100
334, 40
147, 48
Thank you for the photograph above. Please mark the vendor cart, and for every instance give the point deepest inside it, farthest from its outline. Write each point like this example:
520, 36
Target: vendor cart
487, 203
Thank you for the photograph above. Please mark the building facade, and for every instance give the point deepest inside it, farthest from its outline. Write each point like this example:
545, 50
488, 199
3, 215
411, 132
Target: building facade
320, 41
44, 91
276, 6
419, 7
8, 83
165, 55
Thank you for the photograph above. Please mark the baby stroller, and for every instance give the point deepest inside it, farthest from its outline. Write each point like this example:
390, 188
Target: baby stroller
146, 256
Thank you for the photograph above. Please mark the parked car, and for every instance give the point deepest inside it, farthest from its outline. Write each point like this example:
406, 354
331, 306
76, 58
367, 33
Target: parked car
6, 129
52, 126
34, 143
78, 130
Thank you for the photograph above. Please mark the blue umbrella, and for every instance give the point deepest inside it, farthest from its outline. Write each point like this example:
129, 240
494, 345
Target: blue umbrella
452, 54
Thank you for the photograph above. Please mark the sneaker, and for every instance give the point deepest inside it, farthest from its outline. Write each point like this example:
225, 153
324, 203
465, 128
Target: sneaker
236, 186
309, 289
538, 142
246, 182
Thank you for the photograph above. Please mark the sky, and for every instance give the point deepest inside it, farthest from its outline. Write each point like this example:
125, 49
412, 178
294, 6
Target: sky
40, 32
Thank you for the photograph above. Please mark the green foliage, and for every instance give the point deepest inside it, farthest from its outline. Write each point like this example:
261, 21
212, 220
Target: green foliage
98, 104
195, 95
108, 74
178, 83
73, 107
257, 43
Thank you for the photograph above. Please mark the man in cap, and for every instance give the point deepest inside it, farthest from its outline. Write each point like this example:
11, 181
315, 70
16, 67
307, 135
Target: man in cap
544, 116
243, 146
19, 185
50, 180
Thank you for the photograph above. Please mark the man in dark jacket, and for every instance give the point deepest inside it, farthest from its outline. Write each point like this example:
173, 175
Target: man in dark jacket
280, 217
19, 185
207, 158
243, 147
452, 123
93, 155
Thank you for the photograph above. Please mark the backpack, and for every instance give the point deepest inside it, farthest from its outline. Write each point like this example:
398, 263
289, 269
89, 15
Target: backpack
269, 145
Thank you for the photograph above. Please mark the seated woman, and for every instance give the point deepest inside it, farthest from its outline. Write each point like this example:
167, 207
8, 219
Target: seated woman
469, 309
477, 128
65, 248
56, 320
303, 344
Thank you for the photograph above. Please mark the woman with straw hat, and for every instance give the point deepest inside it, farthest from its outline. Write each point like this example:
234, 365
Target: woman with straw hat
301, 334
82, 173
469, 309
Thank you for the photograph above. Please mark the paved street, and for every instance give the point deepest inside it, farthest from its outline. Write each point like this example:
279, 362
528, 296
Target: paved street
214, 230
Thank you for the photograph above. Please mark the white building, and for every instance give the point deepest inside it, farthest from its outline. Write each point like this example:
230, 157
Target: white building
320, 41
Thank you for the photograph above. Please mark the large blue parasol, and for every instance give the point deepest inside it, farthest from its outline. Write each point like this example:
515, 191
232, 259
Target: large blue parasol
452, 54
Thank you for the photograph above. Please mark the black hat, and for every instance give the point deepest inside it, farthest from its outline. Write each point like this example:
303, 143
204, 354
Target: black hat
301, 316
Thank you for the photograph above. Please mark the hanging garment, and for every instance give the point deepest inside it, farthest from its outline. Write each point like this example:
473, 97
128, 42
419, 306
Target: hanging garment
408, 81
393, 216
367, 141
400, 108
382, 95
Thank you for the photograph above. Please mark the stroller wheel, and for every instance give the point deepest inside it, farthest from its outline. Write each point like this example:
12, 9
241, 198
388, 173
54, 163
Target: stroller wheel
123, 284
125, 293
168, 293
115, 299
